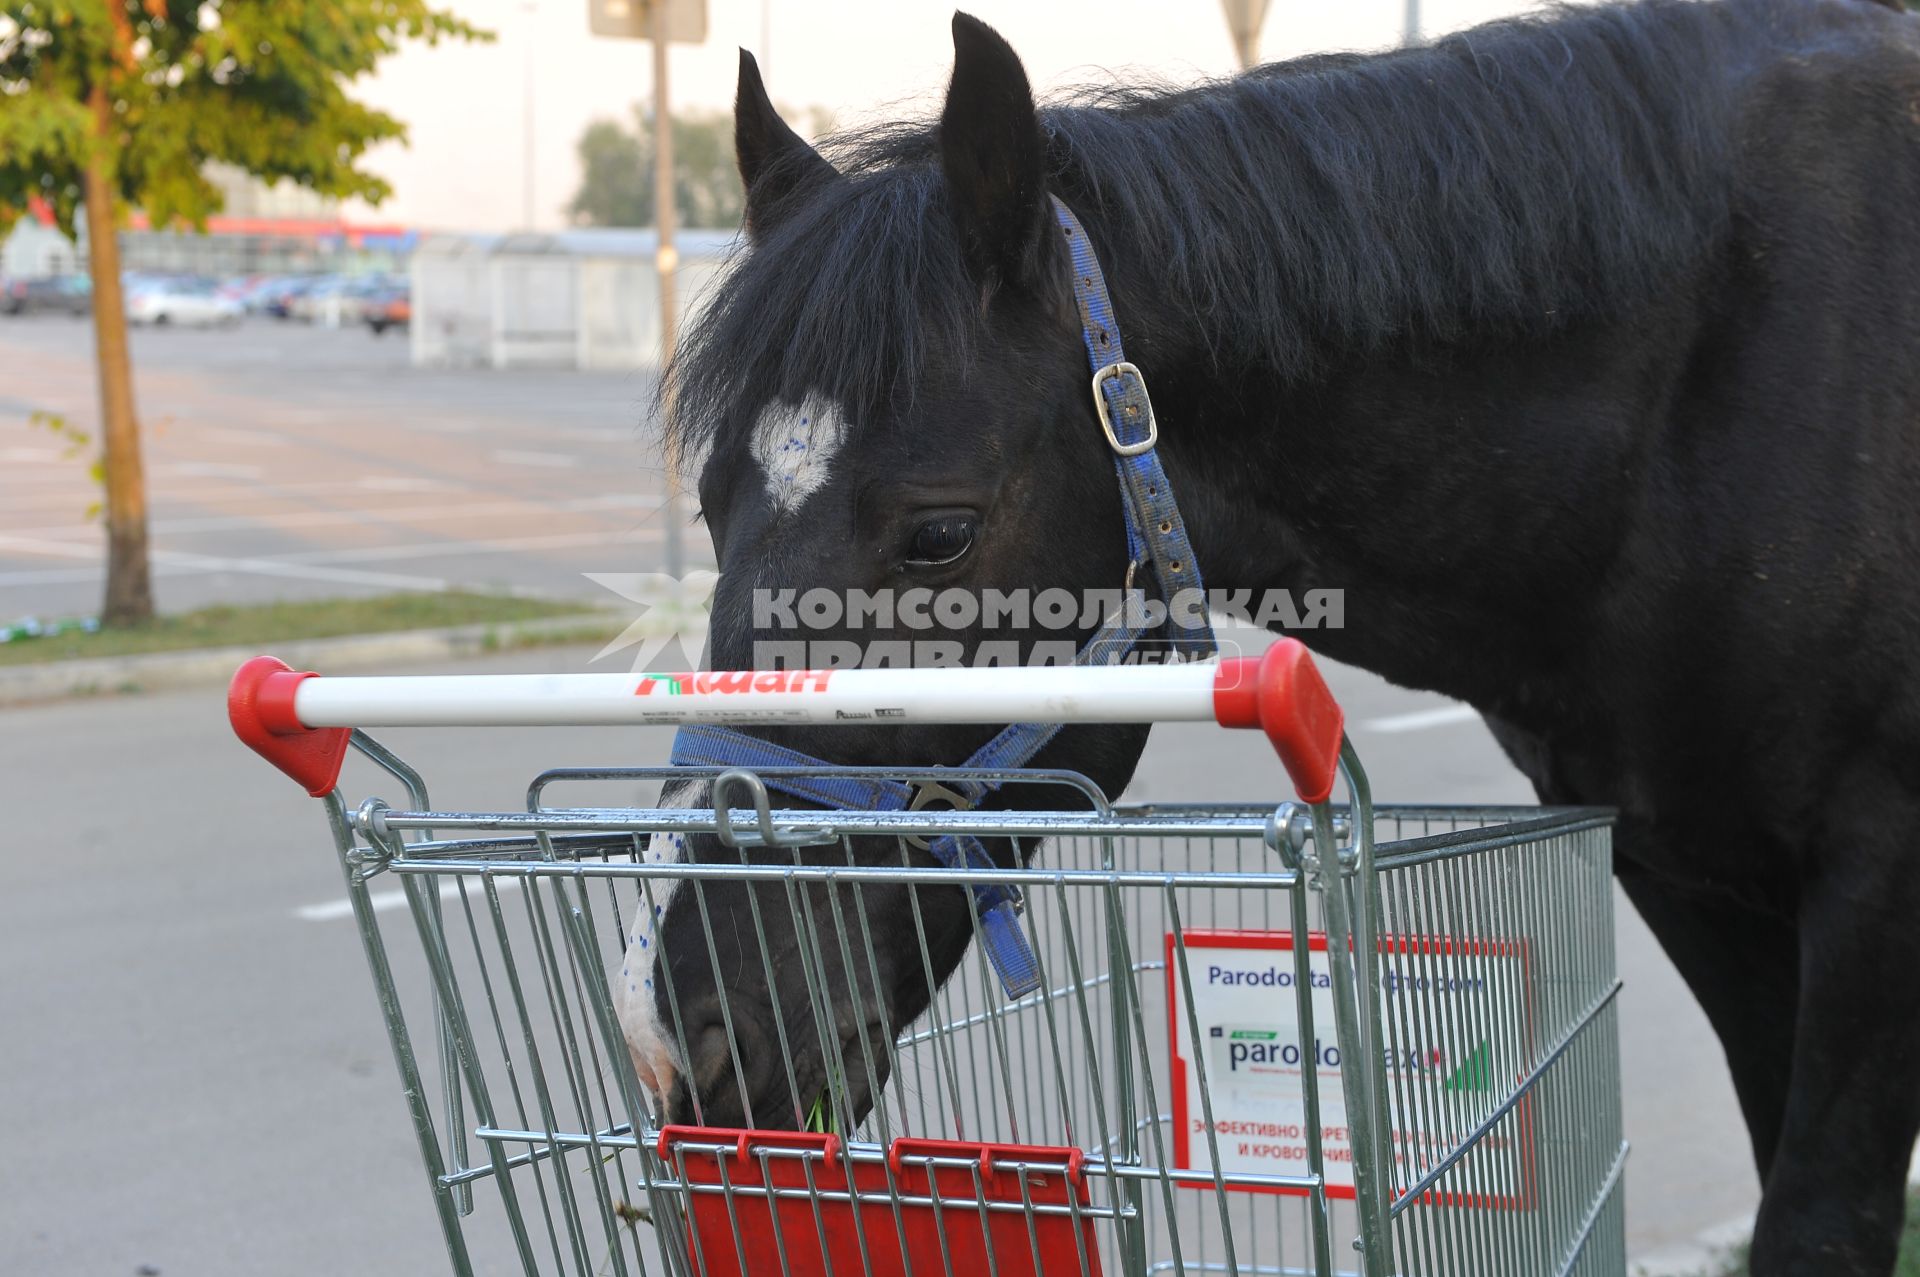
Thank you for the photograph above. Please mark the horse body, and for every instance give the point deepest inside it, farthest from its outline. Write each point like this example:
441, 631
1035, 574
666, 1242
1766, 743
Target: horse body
1673, 560
1590, 382
1673, 555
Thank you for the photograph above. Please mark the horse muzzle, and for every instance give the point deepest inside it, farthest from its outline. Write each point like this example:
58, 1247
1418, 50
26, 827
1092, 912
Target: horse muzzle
745, 1079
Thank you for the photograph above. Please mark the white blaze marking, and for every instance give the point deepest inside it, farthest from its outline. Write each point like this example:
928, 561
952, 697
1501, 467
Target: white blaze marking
649, 1038
795, 446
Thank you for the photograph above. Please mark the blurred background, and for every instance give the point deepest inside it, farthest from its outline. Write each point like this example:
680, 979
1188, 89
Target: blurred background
332, 329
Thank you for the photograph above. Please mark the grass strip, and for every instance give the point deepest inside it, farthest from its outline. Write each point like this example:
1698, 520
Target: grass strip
228, 625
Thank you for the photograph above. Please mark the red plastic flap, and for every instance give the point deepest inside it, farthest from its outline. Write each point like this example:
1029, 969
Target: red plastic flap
781, 1204
990, 1156
260, 707
1281, 692
827, 1145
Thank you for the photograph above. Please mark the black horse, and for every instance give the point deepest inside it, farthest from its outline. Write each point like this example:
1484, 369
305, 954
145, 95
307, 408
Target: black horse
1579, 352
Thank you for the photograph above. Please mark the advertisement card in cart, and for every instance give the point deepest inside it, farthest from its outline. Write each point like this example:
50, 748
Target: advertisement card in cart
1446, 1060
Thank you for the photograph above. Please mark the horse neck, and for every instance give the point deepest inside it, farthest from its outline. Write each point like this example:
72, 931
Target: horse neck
1469, 502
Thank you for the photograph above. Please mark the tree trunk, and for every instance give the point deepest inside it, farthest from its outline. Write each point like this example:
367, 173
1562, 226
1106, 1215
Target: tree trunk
129, 597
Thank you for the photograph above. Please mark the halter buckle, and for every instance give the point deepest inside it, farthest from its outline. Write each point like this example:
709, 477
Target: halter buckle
931, 795
1124, 369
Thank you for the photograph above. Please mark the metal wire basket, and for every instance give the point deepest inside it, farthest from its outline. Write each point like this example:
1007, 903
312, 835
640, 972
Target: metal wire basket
1271, 1038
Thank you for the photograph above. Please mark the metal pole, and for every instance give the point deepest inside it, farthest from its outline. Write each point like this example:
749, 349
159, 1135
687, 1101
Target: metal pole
666, 261
530, 8
1244, 19
1410, 24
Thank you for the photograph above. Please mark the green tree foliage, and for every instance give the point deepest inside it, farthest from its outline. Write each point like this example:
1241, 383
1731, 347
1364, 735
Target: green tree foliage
260, 84
616, 164
111, 104
616, 182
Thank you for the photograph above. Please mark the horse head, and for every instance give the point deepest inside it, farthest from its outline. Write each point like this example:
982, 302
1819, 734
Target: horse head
887, 407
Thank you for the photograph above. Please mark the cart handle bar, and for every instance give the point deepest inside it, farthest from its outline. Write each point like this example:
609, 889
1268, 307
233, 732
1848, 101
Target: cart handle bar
301, 722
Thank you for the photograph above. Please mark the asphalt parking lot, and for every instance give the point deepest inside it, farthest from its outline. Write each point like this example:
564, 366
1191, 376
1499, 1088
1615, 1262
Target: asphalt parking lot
199, 1078
289, 461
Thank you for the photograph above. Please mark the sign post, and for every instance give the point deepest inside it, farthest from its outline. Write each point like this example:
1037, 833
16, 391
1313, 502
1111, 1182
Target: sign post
666, 261
1244, 19
663, 22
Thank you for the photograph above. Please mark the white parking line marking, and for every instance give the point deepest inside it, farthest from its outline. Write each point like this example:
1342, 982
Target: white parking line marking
246, 438
57, 549
207, 470
40, 498
308, 565
399, 483
397, 514
454, 549
550, 460
54, 576
301, 571
384, 901
599, 434
165, 559
1422, 719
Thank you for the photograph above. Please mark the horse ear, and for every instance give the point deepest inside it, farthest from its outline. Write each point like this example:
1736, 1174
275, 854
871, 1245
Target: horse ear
994, 157
775, 163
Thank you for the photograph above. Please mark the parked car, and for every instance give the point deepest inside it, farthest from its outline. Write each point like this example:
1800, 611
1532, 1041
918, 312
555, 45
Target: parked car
391, 307
312, 301
283, 295
336, 301
181, 301
241, 287
260, 297
70, 293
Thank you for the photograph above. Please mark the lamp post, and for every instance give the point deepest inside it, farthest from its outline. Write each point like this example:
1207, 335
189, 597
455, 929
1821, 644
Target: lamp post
662, 22
666, 260
530, 8
1244, 19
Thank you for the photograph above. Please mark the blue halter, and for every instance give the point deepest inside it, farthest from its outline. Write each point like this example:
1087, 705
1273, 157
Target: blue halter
1156, 538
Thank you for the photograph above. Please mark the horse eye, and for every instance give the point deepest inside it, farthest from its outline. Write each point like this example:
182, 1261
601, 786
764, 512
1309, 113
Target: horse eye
942, 540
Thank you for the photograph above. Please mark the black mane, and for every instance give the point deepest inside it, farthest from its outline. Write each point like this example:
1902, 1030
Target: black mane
1515, 177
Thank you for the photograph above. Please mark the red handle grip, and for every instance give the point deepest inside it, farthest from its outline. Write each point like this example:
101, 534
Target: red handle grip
1281, 692
260, 707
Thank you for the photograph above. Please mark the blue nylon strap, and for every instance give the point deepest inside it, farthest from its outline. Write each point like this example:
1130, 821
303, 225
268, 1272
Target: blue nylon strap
1156, 537
1008, 950
996, 904
1155, 531
707, 746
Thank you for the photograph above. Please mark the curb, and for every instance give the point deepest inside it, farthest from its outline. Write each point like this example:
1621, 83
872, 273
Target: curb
213, 666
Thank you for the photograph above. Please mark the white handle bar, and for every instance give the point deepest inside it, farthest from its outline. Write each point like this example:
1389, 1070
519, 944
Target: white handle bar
283, 713
1113, 694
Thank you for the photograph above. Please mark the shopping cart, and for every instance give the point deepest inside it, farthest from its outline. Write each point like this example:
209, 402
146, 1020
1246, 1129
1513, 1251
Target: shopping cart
1296, 1037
